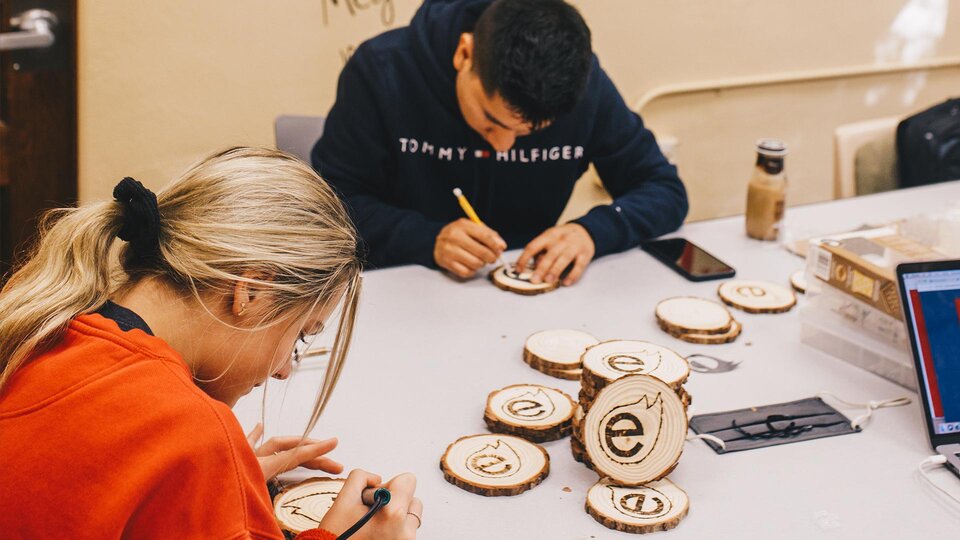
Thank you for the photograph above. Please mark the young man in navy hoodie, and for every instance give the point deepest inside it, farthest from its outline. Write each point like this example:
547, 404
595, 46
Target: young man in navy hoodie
506, 101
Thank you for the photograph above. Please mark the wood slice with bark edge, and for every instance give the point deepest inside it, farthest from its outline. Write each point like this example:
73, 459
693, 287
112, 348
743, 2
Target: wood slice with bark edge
635, 430
709, 339
556, 349
542, 436
587, 396
764, 297
609, 360
579, 453
551, 423
300, 507
569, 374
693, 314
566, 374
798, 280
628, 509
526, 474
576, 439
499, 278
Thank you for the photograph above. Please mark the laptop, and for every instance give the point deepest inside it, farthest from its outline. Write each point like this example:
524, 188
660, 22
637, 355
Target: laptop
930, 296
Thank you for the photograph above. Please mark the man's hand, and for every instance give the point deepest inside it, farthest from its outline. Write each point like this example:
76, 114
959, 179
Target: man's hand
555, 249
463, 247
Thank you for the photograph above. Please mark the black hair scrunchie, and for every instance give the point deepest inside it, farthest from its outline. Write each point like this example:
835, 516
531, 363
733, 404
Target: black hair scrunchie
141, 217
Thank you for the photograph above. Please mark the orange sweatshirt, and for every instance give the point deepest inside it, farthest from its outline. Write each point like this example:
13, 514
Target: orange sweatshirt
107, 436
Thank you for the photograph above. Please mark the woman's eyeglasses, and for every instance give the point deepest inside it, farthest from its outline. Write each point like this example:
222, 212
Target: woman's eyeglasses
299, 349
302, 346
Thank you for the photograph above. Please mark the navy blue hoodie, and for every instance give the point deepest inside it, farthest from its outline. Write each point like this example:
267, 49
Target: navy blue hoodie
395, 144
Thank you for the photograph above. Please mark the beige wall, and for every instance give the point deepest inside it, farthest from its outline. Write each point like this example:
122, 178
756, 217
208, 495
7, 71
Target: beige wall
161, 83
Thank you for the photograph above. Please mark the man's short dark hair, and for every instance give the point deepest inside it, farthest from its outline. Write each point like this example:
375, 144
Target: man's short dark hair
535, 53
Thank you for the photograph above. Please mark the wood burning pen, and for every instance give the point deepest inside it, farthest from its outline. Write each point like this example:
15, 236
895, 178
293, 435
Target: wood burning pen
375, 498
469, 211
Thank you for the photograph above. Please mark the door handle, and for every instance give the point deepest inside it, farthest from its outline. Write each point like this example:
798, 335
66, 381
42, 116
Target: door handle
36, 31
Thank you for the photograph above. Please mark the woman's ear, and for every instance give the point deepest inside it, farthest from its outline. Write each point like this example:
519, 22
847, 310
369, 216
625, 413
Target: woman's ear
463, 56
241, 297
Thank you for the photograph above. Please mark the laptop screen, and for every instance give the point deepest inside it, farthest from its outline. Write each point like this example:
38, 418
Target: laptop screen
933, 310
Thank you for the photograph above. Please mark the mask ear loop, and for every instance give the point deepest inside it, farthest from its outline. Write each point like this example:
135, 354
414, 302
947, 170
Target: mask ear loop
869, 406
708, 437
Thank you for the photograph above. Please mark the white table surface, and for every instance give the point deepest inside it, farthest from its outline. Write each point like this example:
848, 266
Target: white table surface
427, 351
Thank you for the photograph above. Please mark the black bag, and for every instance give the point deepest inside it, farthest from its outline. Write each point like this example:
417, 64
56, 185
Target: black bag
928, 145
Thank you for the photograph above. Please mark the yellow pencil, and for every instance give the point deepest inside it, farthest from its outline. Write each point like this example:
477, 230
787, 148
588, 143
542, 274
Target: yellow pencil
470, 212
465, 204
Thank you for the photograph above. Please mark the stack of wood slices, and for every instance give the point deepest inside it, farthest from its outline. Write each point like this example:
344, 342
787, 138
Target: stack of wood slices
697, 320
630, 428
557, 352
629, 425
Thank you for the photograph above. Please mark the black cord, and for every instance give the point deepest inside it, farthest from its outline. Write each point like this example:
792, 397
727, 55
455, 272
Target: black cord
381, 498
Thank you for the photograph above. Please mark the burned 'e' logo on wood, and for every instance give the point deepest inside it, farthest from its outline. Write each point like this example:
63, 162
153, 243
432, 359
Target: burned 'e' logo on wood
641, 502
496, 460
629, 432
751, 291
643, 361
529, 406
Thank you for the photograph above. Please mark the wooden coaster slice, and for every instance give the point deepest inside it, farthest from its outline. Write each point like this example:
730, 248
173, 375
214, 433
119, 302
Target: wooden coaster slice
588, 394
713, 339
798, 280
757, 296
557, 349
300, 507
494, 465
655, 506
567, 374
610, 360
536, 413
509, 280
635, 430
688, 314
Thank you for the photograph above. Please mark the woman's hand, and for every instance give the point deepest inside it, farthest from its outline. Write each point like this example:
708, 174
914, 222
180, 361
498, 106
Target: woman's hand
281, 454
398, 520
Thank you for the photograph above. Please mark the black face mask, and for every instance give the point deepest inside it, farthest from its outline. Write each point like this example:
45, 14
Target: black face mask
771, 425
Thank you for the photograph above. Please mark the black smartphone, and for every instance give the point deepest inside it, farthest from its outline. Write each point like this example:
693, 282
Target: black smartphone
688, 259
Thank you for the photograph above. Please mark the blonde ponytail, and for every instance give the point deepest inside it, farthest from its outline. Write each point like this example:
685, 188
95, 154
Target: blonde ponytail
68, 274
237, 213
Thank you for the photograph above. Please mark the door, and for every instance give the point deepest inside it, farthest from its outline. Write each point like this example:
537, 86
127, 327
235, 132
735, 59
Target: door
38, 117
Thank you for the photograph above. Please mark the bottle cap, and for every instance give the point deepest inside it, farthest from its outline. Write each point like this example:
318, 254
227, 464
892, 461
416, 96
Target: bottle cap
771, 147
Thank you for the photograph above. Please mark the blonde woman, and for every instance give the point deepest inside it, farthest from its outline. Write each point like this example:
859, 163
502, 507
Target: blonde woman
136, 325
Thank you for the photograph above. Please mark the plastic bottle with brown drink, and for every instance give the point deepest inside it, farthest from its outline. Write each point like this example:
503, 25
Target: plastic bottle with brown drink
766, 193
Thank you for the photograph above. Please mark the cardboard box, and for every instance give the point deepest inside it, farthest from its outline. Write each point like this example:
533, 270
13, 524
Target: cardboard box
863, 264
